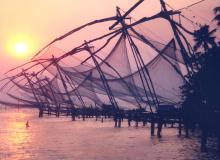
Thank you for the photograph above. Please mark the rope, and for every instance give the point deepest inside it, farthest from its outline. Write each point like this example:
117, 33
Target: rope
191, 5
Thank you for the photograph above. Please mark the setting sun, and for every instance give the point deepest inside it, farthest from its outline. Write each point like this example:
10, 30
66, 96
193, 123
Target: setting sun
20, 48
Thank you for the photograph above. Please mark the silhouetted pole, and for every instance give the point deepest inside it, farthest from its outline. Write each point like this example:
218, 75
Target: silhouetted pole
138, 60
40, 105
127, 85
52, 92
204, 139
65, 88
117, 116
43, 93
179, 41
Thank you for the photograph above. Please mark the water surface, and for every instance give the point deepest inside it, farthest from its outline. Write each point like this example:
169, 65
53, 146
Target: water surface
51, 138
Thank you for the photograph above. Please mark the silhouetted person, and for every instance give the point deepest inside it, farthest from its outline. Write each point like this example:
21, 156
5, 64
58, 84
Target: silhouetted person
27, 124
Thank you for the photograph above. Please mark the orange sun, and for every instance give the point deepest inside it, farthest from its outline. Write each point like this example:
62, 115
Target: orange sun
20, 47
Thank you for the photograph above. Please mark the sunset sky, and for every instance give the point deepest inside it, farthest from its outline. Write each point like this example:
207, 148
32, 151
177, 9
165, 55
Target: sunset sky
28, 25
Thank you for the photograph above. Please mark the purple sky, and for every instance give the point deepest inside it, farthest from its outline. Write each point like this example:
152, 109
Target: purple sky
41, 21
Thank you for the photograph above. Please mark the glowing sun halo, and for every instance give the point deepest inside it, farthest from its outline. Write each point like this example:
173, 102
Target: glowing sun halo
20, 48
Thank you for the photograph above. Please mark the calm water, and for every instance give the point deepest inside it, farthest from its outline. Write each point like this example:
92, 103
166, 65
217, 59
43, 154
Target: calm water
61, 139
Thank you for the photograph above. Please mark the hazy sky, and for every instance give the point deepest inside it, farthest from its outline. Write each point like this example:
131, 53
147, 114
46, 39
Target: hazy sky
40, 21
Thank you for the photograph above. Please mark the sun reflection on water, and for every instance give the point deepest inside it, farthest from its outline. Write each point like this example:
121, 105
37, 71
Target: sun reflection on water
19, 134
17, 138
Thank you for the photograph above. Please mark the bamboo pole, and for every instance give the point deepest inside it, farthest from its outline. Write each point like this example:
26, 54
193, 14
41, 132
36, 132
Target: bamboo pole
107, 88
40, 105
179, 41
65, 88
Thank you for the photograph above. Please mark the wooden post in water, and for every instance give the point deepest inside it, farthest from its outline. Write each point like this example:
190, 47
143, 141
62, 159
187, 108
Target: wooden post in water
136, 123
83, 114
152, 127
159, 126
218, 134
218, 150
115, 120
186, 125
180, 127
129, 122
73, 113
204, 139
144, 122
119, 119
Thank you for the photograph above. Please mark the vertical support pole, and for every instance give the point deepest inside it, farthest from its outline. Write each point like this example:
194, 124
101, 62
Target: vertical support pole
159, 126
53, 95
144, 122
107, 88
115, 120
138, 61
40, 105
65, 87
218, 149
136, 123
129, 122
180, 126
152, 128
73, 114
43, 93
204, 139
186, 126
174, 28
119, 118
